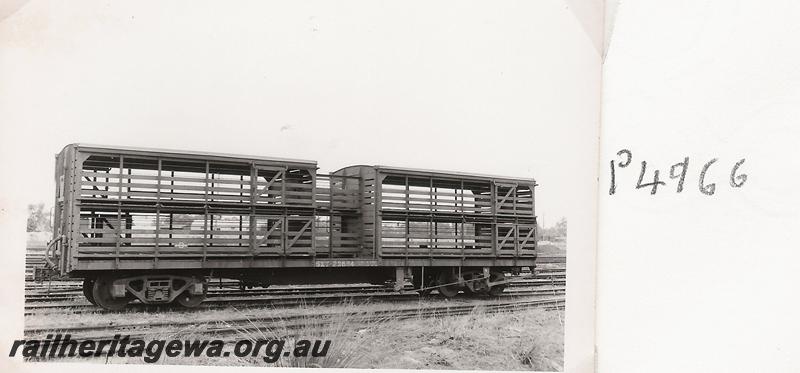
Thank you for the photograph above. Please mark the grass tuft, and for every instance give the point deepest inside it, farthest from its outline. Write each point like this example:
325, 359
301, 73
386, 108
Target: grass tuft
531, 339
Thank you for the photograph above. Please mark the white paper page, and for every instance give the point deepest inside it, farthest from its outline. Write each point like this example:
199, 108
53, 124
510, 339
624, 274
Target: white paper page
689, 281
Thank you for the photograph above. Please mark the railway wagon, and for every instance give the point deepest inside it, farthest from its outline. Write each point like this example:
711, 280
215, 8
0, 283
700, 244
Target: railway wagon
155, 225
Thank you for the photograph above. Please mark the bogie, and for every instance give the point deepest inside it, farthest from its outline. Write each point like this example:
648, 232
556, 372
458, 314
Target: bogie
115, 292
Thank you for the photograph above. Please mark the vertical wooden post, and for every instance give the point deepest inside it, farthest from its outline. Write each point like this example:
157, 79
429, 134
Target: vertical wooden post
514, 199
119, 214
516, 237
493, 197
314, 216
331, 182
407, 238
205, 216
252, 221
158, 208
283, 185
460, 193
378, 226
463, 241
408, 207
430, 236
431, 204
408, 222
251, 227
284, 230
430, 212
494, 237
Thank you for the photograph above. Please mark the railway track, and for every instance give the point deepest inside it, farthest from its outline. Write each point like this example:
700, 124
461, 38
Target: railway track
75, 286
71, 290
76, 293
287, 323
291, 298
72, 294
221, 301
544, 288
550, 266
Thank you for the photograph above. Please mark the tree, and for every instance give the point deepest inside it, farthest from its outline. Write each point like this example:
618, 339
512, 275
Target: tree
38, 220
561, 228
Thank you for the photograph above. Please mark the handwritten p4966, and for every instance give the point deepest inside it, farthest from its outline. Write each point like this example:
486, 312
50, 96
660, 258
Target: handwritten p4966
677, 171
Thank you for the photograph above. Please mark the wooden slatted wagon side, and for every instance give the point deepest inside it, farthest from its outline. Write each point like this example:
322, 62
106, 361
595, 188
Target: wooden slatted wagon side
154, 225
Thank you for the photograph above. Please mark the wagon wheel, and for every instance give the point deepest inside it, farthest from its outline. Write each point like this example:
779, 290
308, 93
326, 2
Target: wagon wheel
101, 293
496, 290
88, 286
448, 291
189, 300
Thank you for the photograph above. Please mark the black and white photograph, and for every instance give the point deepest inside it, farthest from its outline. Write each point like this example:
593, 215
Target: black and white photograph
311, 184
347, 185
214, 245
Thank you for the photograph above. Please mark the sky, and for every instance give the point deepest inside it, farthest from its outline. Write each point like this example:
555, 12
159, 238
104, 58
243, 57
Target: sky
506, 89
